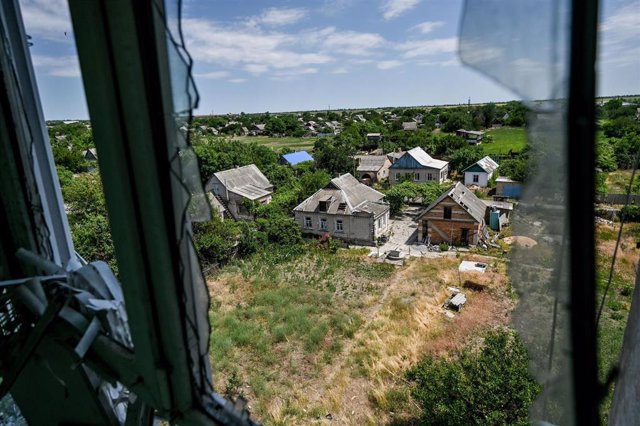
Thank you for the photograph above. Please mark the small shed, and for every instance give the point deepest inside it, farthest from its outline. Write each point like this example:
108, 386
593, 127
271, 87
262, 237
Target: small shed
472, 137
508, 188
456, 302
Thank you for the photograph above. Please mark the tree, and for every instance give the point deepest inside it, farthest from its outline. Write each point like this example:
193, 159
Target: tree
457, 120
605, 156
400, 192
216, 241
491, 386
465, 157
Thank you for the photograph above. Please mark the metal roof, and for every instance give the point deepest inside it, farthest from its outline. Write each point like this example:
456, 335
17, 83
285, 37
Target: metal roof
486, 163
465, 198
410, 125
425, 159
297, 157
355, 198
247, 181
372, 163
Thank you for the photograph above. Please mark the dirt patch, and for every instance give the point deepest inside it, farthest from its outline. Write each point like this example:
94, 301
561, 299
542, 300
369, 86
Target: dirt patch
521, 241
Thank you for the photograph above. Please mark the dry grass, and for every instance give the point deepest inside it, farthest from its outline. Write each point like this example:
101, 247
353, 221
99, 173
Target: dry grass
352, 378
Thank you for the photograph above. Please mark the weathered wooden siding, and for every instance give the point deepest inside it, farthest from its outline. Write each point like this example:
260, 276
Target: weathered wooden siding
434, 226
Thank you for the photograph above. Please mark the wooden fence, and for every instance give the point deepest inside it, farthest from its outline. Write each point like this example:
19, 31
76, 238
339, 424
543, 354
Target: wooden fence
617, 199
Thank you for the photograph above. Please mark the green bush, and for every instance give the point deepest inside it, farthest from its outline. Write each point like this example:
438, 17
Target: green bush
444, 247
630, 213
491, 386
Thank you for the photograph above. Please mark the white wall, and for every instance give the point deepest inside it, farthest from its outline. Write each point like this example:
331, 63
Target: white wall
483, 179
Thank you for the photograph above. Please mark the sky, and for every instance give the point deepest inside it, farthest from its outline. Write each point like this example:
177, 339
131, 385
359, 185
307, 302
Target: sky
291, 55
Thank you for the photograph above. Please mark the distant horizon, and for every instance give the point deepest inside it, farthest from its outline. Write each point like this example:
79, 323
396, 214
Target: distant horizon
293, 55
366, 108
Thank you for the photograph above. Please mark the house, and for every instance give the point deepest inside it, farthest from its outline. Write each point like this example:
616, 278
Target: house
372, 168
480, 172
295, 158
410, 125
456, 217
359, 117
374, 137
507, 188
345, 209
419, 166
471, 136
234, 187
258, 129
90, 154
395, 156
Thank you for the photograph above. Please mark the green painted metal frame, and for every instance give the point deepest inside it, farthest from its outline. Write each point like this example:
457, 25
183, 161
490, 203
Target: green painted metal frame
122, 50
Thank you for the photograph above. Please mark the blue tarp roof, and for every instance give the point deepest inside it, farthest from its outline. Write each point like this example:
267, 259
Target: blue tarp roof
297, 157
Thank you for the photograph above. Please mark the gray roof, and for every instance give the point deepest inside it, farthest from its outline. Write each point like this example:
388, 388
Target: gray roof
465, 198
487, 164
502, 205
247, 181
346, 196
410, 125
371, 163
470, 132
425, 159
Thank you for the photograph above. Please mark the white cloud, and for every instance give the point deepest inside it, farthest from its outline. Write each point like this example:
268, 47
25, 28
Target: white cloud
246, 46
292, 73
427, 27
237, 80
60, 66
214, 75
256, 68
279, 17
417, 48
353, 43
48, 19
385, 65
620, 36
340, 70
393, 8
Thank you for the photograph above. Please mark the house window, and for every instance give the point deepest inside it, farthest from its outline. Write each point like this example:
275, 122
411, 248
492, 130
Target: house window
322, 206
416, 177
379, 223
339, 225
397, 176
307, 222
447, 212
429, 176
476, 178
323, 224
216, 189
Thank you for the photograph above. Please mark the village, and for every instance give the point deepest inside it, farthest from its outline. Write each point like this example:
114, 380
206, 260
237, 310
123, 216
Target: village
337, 258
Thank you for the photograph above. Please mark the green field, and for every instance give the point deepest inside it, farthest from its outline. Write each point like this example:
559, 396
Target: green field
277, 143
505, 139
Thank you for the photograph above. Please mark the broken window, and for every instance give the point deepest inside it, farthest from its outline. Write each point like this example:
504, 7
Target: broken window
447, 212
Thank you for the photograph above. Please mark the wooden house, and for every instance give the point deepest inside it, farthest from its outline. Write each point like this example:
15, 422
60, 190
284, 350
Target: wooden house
457, 217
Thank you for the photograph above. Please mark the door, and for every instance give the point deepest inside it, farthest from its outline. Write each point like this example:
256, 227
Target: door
464, 235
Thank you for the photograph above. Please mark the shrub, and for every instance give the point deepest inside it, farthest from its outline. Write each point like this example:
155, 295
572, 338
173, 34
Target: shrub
444, 247
630, 213
487, 387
